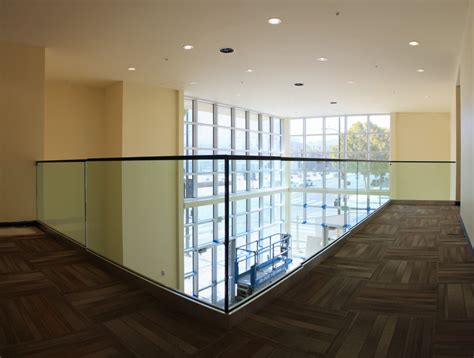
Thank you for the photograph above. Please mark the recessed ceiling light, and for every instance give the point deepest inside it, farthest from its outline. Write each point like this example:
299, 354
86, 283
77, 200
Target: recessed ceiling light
299, 84
274, 21
322, 59
193, 83
131, 68
188, 47
238, 94
249, 70
226, 50
333, 102
420, 70
414, 43
350, 82
427, 97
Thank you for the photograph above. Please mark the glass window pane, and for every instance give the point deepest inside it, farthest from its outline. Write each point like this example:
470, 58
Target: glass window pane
296, 126
265, 124
253, 121
296, 146
332, 125
223, 138
253, 145
276, 149
205, 137
239, 119
188, 135
357, 142
265, 143
380, 123
205, 233
379, 142
314, 125
205, 113
332, 145
240, 141
224, 115
314, 146
276, 125
356, 124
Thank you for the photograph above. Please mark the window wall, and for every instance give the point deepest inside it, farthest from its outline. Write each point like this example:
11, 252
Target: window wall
256, 189
327, 198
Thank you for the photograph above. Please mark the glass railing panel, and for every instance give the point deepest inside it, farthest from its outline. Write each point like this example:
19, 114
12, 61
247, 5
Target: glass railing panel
422, 180
61, 201
257, 221
163, 219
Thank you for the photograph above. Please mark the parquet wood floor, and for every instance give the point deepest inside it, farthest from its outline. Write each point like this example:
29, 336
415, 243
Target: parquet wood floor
401, 287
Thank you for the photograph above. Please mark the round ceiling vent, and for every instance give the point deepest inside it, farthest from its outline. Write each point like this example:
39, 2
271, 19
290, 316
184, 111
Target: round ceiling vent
226, 50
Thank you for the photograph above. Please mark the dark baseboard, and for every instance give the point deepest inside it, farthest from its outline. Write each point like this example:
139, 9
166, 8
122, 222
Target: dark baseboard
457, 203
17, 223
423, 202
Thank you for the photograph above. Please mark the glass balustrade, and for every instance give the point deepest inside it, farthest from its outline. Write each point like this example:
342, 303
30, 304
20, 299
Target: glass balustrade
220, 229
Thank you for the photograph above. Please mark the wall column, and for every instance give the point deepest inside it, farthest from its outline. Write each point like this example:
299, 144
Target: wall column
21, 136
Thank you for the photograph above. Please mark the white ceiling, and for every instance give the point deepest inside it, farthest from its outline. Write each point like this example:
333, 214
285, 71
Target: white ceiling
96, 41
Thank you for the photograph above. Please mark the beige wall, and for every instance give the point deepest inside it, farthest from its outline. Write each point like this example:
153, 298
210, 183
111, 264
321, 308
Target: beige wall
421, 137
21, 123
122, 119
113, 120
467, 125
74, 121
150, 120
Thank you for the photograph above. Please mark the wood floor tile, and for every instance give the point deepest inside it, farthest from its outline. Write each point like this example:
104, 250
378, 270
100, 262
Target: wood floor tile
7, 246
56, 258
78, 277
349, 268
456, 272
456, 301
14, 263
36, 317
454, 339
361, 251
417, 222
412, 253
396, 298
18, 284
109, 302
382, 229
403, 271
412, 238
91, 342
336, 292
384, 335
455, 253
39, 244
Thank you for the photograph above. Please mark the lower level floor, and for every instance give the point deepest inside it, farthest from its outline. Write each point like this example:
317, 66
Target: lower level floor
403, 286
